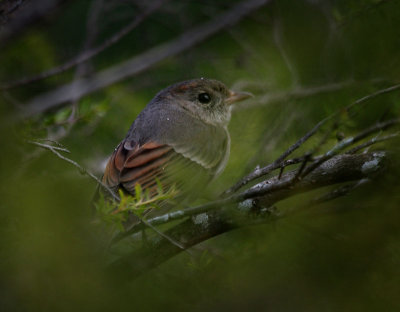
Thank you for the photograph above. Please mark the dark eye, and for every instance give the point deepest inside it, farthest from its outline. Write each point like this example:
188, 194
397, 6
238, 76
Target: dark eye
204, 98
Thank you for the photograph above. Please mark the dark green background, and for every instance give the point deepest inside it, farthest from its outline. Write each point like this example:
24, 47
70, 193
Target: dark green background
340, 256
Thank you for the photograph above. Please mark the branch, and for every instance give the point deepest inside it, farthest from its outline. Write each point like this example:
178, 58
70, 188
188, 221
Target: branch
372, 141
275, 185
295, 93
374, 95
140, 63
277, 32
55, 150
279, 163
200, 227
348, 142
338, 192
85, 56
28, 12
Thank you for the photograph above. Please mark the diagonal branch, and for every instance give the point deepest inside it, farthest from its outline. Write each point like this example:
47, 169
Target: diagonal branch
282, 182
373, 141
86, 55
380, 126
55, 150
278, 163
142, 62
295, 93
203, 226
27, 13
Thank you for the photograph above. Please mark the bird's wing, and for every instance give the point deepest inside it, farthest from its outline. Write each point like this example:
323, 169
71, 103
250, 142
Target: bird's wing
144, 164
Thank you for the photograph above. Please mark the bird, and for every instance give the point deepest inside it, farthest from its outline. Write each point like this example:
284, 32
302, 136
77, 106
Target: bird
180, 138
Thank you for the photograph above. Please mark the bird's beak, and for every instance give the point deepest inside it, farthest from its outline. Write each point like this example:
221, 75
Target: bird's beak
234, 97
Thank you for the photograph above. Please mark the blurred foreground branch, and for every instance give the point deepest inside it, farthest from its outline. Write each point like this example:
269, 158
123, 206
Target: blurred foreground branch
17, 15
139, 63
88, 54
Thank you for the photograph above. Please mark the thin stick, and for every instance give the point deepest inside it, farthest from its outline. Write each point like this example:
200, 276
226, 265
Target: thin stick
275, 189
372, 141
170, 239
337, 192
55, 149
46, 146
350, 141
373, 95
278, 162
139, 63
83, 57
81, 169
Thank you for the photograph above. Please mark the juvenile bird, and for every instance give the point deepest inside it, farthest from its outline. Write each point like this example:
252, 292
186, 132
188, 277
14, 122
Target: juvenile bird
180, 138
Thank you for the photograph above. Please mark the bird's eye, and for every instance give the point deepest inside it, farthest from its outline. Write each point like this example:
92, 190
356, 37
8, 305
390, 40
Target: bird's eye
204, 98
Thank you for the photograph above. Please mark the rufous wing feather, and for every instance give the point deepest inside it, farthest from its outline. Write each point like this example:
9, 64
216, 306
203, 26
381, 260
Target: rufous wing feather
147, 163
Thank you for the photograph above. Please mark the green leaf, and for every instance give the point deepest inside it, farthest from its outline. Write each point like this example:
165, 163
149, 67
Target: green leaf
138, 191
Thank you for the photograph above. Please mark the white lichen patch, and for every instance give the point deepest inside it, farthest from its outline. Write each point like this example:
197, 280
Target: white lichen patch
372, 165
161, 219
201, 219
246, 205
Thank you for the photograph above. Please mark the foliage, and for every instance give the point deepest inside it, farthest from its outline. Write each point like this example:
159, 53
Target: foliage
115, 214
303, 60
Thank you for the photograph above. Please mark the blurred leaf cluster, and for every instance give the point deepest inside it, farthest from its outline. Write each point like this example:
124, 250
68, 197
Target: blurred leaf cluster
115, 214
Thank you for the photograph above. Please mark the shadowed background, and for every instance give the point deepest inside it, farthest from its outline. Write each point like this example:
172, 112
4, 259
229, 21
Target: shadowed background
302, 60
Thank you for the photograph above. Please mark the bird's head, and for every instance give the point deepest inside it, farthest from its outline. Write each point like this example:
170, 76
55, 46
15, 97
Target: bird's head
207, 99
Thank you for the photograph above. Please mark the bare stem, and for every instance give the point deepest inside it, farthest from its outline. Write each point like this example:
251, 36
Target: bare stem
86, 55
55, 150
257, 173
220, 218
140, 63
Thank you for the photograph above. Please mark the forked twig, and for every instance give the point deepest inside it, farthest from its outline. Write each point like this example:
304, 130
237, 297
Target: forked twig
278, 163
350, 141
141, 62
372, 141
86, 55
55, 150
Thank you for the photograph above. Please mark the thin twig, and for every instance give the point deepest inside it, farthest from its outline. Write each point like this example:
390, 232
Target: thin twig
278, 162
81, 169
55, 149
86, 55
170, 239
294, 93
277, 32
337, 192
30, 12
46, 146
343, 168
300, 170
348, 142
53, 142
373, 95
141, 62
371, 142
275, 189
